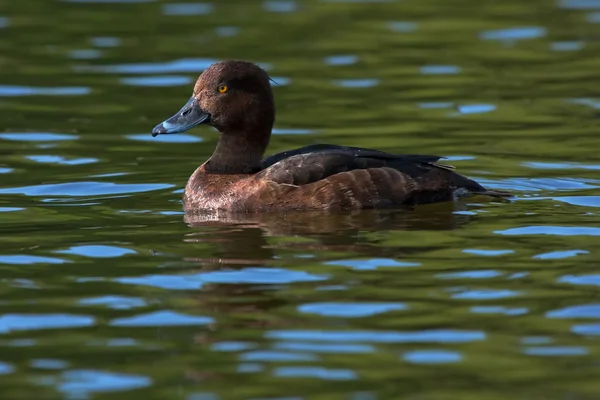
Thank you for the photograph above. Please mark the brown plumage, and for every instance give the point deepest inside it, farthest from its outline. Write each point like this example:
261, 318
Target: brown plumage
236, 98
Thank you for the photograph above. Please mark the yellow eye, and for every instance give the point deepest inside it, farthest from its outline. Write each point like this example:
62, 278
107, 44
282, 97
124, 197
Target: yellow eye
222, 88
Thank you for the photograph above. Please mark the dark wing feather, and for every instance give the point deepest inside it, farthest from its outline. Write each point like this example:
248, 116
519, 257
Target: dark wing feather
355, 177
312, 163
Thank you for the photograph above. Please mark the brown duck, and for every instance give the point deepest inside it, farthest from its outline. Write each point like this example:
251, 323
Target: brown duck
236, 98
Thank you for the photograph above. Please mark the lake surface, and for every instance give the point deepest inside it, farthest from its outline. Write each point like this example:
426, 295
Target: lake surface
108, 293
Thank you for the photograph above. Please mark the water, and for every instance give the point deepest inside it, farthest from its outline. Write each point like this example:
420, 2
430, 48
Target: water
107, 292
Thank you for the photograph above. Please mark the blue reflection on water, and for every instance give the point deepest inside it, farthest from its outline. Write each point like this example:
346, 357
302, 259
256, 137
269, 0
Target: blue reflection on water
433, 336
271, 355
10, 209
487, 253
580, 279
350, 310
315, 372
37, 136
579, 4
162, 318
552, 230
175, 66
227, 31
475, 274
157, 81
245, 275
432, 356
85, 54
48, 363
556, 351
280, 6
183, 9
97, 251
350, 348
555, 255
516, 33
51, 159
14, 90
499, 310
579, 311
341, 60
356, 83
560, 165
6, 368
475, 108
587, 329
402, 26
485, 294
23, 259
4, 22
372, 263
85, 188
440, 69
114, 302
80, 383
105, 41
566, 46
25, 322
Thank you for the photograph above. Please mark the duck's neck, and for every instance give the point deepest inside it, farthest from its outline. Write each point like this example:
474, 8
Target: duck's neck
238, 153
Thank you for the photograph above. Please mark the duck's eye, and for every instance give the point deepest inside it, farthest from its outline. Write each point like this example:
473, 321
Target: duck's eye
222, 88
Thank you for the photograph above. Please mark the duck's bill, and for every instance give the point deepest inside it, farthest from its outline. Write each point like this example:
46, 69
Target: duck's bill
189, 116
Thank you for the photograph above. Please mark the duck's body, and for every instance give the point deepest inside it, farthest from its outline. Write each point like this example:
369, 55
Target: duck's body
236, 98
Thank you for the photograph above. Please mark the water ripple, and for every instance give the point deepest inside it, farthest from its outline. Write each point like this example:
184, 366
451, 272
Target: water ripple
315, 372
440, 69
579, 311
552, 230
372, 263
348, 348
556, 255
580, 279
341, 60
161, 318
14, 90
431, 356
105, 41
114, 302
37, 136
183, 9
157, 81
78, 189
51, 159
176, 66
350, 310
27, 322
513, 34
356, 83
277, 356
97, 251
246, 275
430, 336
549, 351
579, 4
81, 383
22, 259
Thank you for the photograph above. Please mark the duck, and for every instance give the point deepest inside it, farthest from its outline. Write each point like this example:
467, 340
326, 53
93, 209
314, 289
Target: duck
236, 98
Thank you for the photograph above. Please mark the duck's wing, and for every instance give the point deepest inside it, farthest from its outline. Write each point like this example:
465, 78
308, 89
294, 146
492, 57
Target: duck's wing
375, 174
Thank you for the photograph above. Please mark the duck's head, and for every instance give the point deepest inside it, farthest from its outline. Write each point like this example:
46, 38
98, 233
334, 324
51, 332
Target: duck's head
233, 96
